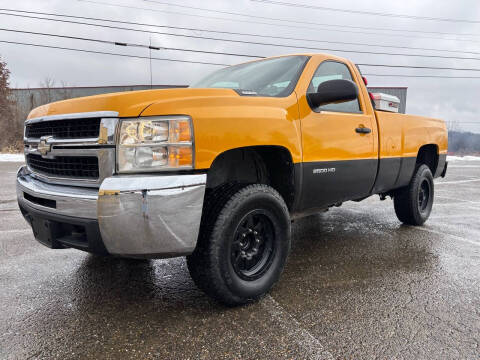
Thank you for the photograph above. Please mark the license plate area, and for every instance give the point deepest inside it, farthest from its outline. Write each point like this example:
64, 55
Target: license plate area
57, 235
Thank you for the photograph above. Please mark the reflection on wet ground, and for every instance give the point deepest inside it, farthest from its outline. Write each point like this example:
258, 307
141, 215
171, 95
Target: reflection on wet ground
358, 285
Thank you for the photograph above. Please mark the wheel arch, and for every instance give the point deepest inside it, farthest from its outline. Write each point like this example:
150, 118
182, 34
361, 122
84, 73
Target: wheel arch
428, 154
263, 164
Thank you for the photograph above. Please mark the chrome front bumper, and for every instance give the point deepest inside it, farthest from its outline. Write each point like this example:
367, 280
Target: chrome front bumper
138, 216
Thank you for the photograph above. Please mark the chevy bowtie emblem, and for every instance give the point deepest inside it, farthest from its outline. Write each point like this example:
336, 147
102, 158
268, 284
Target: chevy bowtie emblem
43, 146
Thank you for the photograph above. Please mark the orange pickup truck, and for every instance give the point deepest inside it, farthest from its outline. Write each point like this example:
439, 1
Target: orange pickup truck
218, 171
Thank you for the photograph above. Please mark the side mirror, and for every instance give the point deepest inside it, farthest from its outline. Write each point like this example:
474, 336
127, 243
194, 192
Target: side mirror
333, 92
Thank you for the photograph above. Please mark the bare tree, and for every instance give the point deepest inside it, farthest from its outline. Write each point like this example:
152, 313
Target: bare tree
452, 125
47, 93
4, 89
51, 92
12, 133
65, 91
463, 143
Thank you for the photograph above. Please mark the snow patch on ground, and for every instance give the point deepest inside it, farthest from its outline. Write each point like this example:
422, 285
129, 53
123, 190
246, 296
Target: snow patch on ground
463, 158
12, 157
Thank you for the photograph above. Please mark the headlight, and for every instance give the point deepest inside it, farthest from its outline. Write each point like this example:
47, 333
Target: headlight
155, 143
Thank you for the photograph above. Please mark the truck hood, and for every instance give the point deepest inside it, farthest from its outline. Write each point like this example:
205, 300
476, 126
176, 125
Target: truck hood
127, 104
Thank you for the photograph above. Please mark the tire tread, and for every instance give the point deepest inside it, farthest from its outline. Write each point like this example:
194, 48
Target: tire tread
405, 199
203, 262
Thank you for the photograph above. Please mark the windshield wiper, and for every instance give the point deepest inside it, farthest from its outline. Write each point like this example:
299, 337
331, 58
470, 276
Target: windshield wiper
246, 92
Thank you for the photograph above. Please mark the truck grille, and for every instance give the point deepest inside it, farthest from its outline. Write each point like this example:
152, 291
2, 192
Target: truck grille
64, 129
82, 167
74, 149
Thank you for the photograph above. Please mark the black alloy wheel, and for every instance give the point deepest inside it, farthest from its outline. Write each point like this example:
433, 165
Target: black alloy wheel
243, 245
423, 196
252, 248
413, 203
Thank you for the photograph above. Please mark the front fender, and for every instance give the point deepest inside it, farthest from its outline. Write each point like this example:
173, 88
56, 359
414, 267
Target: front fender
224, 123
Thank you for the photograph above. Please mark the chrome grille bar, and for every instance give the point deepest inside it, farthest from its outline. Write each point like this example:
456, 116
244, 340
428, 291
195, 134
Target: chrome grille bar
51, 152
65, 129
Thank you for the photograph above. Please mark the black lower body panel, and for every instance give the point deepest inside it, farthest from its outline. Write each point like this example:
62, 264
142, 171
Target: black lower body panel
59, 231
442, 166
326, 183
394, 173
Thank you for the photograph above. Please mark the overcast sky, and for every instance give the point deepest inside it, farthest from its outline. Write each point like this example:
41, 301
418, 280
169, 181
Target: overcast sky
455, 100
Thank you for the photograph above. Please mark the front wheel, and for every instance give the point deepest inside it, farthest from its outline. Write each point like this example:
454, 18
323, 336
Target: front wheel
413, 204
243, 244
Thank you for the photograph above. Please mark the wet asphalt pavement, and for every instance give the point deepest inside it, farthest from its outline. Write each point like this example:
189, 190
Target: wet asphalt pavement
358, 285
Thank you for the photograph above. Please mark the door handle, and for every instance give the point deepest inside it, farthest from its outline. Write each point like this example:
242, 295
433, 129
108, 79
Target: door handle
363, 130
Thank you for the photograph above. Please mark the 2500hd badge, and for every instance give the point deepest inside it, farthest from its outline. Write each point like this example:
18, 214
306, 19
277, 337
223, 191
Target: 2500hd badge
324, 170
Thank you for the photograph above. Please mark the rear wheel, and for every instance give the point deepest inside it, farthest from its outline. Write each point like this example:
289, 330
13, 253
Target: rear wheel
413, 204
243, 244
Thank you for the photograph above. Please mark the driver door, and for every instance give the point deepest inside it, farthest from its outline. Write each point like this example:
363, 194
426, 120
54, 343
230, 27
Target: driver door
339, 156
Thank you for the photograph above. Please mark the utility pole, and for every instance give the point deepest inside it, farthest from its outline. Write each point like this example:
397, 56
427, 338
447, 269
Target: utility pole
151, 74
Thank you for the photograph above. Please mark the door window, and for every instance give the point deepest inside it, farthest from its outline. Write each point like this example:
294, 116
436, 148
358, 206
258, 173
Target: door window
333, 70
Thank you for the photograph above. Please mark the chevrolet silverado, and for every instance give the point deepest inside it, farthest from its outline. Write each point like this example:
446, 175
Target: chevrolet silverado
218, 171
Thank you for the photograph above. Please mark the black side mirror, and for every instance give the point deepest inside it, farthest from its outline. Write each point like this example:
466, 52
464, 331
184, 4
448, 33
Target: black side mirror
333, 91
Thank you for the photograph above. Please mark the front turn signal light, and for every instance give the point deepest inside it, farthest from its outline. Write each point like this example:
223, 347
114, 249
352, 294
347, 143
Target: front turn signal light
180, 131
179, 156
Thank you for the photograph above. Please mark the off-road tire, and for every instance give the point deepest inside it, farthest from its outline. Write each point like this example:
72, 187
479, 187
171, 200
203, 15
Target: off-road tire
407, 201
212, 265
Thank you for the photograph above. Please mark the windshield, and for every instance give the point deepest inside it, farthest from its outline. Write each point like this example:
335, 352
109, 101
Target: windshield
270, 77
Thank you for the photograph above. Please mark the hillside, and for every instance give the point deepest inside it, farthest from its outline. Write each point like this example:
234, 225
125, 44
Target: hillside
463, 143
